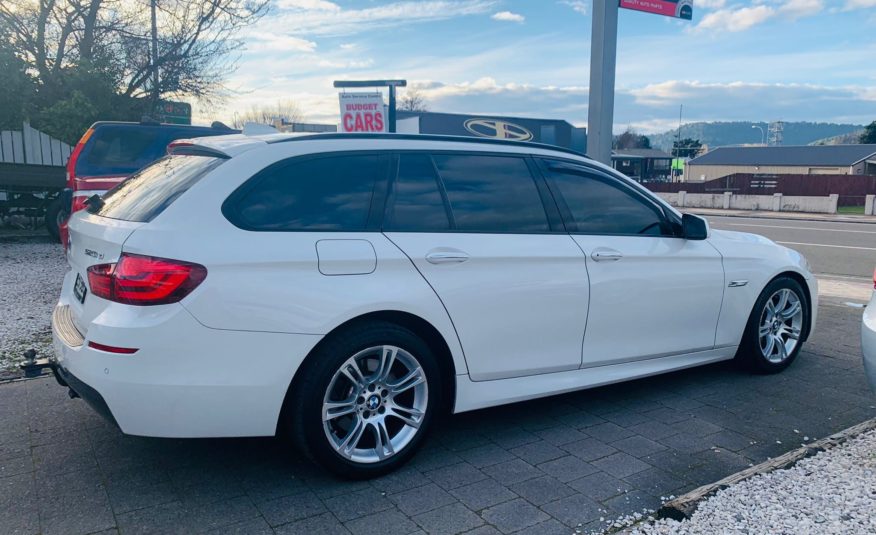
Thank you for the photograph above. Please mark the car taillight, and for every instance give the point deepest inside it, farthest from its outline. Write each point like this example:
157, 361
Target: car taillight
145, 280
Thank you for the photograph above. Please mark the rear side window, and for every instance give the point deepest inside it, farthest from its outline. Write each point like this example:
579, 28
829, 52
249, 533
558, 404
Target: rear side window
121, 149
416, 203
329, 193
600, 205
491, 193
149, 192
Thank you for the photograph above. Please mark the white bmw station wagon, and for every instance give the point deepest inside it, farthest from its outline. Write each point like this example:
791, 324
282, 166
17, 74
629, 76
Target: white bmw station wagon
348, 289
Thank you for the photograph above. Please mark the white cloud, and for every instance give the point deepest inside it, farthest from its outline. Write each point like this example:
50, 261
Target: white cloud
735, 20
307, 17
578, 6
308, 5
801, 8
710, 4
262, 41
507, 16
859, 4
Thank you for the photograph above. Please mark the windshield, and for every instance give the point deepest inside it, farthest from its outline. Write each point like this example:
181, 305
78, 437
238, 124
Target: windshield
149, 192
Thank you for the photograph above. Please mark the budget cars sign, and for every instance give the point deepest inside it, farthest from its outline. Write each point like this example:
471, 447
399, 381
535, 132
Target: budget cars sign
362, 112
682, 9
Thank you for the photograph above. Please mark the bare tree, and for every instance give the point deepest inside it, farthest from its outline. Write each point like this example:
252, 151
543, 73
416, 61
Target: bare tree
412, 100
196, 39
285, 111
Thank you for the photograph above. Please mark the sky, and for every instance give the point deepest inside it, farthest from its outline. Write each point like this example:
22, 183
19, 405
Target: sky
758, 60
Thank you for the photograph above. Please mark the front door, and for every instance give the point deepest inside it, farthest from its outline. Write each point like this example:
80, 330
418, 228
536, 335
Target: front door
652, 293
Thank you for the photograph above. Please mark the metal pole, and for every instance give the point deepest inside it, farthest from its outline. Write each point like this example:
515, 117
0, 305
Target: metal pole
155, 91
392, 109
603, 55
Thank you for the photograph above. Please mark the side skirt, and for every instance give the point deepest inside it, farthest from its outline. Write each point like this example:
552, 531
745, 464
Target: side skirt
472, 395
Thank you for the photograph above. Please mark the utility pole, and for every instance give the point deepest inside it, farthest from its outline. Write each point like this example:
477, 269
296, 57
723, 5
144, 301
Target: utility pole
603, 56
156, 94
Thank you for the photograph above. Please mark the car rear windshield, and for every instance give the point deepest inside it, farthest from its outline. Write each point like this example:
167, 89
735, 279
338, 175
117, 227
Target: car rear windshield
121, 149
146, 194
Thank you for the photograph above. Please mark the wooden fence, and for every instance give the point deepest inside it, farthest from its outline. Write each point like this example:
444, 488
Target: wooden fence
32, 147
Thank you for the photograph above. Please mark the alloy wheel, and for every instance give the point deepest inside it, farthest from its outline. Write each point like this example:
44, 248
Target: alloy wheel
375, 403
781, 323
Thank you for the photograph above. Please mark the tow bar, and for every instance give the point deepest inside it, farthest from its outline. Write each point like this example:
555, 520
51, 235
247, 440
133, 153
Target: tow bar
33, 367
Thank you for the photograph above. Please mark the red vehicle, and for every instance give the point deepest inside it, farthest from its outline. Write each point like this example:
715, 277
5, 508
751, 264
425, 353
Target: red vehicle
109, 152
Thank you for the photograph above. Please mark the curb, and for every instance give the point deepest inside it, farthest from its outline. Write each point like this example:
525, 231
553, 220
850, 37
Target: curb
788, 216
683, 507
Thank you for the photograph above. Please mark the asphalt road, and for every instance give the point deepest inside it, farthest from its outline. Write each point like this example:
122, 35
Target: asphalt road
835, 250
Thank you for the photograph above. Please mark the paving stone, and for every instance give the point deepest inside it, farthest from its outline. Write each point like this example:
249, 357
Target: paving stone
421, 499
608, 432
513, 471
483, 494
730, 440
538, 452
484, 530
626, 417
638, 446
390, 522
433, 458
513, 437
560, 435
687, 443
654, 430
514, 515
455, 475
486, 455
448, 520
549, 527
357, 504
600, 486
589, 449
324, 524
620, 464
574, 510
291, 508
253, 526
19, 512
697, 427
667, 416
177, 518
636, 500
542, 490
403, 479
567, 468
655, 481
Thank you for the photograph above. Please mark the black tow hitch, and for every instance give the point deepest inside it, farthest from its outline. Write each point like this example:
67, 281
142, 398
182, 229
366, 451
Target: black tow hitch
33, 367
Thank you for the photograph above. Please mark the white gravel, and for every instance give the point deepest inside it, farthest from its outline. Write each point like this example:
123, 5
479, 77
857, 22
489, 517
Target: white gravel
30, 282
833, 492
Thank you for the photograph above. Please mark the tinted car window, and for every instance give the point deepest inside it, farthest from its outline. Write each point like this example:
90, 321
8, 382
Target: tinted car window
416, 203
121, 149
332, 193
599, 205
149, 192
491, 193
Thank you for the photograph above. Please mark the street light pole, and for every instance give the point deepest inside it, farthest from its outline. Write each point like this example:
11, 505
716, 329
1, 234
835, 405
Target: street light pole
762, 134
603, 56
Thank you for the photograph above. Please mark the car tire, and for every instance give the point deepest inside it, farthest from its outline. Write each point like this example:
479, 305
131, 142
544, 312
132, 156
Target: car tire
775, 330
54, 215
362, 425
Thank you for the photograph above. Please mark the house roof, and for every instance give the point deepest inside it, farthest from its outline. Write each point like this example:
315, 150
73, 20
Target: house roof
641, 153
818, 155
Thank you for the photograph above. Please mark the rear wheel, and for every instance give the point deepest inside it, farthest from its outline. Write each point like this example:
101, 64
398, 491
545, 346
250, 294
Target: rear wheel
55, 215
773, 336
366, 400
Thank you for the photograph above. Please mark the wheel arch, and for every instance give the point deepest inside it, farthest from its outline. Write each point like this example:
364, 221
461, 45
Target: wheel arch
419, 326
800, 279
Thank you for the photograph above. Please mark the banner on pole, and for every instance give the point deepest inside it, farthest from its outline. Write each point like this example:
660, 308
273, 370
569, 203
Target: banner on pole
362, 112
681, 9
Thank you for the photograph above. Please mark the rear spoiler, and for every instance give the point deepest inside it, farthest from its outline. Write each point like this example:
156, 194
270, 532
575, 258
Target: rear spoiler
187, 147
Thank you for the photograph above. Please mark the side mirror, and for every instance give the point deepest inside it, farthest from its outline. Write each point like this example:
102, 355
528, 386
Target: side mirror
694, 227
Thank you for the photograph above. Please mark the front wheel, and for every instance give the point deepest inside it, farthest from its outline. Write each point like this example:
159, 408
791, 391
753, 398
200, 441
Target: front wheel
367, 401
778, 322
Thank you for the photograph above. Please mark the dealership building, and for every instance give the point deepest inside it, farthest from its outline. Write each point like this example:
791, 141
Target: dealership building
784, 160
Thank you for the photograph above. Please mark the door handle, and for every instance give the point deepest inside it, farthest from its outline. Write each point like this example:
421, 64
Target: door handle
606, 255
446, 257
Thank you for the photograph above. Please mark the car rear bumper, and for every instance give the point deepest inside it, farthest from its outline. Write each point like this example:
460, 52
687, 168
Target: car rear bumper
185, 380
868, 341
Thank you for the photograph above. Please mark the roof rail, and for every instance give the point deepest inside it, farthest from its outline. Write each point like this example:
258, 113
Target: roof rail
430, 137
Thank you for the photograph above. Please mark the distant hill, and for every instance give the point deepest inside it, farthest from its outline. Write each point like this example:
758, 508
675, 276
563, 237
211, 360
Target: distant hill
741, 132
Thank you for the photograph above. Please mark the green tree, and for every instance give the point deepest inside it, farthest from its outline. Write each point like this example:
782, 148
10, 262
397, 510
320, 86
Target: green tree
869, 135
631, 140
18, 88
686, 148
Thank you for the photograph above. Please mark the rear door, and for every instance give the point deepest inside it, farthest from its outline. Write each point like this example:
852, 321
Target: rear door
479, 230
652, 293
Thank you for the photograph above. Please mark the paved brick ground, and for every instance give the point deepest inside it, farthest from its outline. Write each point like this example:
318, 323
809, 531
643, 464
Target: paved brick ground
538, 467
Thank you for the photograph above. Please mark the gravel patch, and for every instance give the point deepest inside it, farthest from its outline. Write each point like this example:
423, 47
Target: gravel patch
833, 492
30, 277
